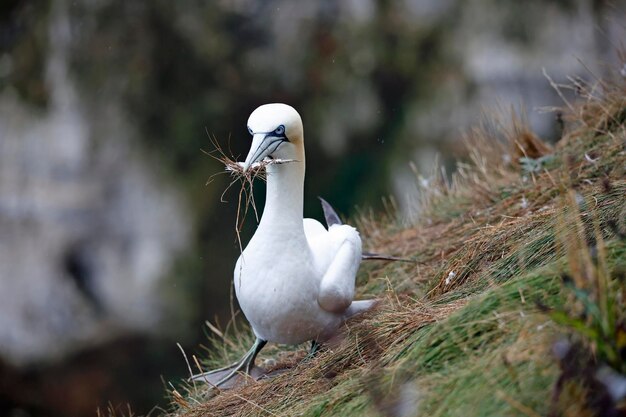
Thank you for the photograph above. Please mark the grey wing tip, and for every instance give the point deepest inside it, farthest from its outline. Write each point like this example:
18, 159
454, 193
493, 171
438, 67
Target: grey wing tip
330, 214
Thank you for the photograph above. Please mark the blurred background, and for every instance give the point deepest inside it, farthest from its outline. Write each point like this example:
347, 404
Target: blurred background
112, 246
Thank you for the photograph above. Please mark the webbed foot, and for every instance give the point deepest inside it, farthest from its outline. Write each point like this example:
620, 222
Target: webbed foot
229, 376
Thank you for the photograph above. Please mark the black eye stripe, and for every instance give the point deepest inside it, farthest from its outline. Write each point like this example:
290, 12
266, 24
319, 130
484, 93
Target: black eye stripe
278, 133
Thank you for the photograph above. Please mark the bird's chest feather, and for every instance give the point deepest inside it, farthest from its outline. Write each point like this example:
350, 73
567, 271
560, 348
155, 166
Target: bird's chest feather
275, 279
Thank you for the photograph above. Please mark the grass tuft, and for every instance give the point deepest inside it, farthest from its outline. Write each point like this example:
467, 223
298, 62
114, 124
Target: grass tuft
467, 330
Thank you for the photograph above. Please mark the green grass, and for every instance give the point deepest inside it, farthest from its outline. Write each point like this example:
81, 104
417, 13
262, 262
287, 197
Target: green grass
460, 332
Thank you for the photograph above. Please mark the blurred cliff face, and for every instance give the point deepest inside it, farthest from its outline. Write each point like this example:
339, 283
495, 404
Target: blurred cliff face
88, 230
87, 233
107, 229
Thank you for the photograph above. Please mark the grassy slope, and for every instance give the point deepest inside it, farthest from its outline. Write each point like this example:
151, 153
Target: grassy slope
459, 333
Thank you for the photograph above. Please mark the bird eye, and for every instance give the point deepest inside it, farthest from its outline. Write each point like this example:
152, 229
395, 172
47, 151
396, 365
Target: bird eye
250, 130
280, 130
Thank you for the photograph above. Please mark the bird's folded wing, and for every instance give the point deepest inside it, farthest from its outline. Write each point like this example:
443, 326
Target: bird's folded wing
337, 285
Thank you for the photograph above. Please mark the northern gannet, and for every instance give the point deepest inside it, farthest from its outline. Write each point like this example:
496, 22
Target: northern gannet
295, 279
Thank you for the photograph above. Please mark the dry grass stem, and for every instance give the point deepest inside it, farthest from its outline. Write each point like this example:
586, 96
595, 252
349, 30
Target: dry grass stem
490, 244
246, 178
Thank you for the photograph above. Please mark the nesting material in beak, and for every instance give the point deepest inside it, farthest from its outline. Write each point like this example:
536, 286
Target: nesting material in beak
263, 145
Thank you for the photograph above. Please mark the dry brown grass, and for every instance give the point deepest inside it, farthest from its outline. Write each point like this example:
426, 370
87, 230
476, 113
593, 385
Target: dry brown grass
375, 334
245, 178
493, 223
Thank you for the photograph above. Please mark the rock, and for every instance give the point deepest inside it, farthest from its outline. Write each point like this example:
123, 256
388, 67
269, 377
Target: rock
87, 230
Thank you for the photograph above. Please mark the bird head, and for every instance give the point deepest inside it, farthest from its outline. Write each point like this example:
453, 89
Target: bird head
277, 133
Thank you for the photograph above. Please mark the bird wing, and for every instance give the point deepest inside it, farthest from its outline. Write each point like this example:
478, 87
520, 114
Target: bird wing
337, 285
331, 216
313, 230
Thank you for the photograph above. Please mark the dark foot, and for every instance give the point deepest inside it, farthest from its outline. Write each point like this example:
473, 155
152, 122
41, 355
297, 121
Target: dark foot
220, 377
315, 347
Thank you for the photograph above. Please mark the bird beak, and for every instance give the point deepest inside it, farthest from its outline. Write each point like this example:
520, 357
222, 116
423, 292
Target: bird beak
256, 150
262, 146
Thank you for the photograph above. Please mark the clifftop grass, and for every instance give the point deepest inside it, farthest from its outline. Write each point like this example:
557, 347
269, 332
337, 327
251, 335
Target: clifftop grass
459, 333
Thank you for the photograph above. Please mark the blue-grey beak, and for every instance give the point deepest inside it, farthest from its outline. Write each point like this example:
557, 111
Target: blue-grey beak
263, 145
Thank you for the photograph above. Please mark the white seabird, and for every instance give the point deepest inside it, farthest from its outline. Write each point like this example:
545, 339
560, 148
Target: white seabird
295, 279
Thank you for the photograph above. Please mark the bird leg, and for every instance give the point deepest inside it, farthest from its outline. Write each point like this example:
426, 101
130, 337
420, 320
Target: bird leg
245, 365
315, 347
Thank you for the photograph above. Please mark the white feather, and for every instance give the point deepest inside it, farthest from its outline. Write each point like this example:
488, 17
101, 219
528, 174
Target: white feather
294, 280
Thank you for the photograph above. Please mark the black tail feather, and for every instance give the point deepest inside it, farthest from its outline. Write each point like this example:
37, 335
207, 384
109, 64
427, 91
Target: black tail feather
332, 218
380, 257
330, 214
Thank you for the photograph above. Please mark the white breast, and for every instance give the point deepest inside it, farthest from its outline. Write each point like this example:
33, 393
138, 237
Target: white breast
277, 286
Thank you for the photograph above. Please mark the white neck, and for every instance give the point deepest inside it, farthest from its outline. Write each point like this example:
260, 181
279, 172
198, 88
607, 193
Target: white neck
285, 197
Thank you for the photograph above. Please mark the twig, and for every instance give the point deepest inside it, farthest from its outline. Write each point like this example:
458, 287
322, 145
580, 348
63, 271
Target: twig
187, 362
220, 334
558, 90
